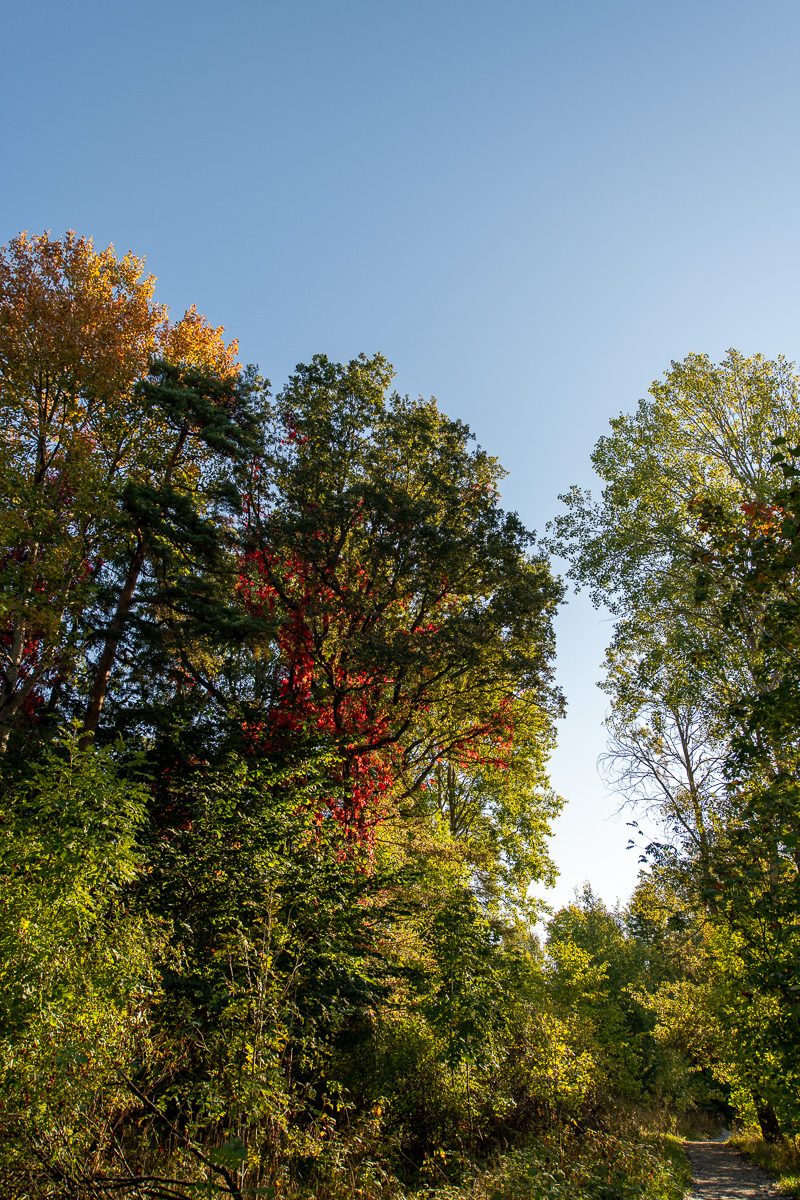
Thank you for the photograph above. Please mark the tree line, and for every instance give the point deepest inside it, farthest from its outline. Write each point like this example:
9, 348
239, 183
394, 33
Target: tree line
694, 547
276, 705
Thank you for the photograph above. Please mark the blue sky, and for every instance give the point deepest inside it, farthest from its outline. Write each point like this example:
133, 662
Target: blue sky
530, 208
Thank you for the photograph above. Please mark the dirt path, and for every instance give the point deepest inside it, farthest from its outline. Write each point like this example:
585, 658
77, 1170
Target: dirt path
720, 1173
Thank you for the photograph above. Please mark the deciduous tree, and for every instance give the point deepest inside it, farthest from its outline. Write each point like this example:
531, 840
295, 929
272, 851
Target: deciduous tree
79, 333
414, 614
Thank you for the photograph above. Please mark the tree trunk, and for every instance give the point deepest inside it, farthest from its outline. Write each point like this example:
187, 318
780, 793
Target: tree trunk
106, 661
770, 1128
12, 695
117, 626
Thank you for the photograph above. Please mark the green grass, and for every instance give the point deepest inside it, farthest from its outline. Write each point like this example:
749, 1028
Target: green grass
782, 1161
594, 1166
636, 1162
670, 1149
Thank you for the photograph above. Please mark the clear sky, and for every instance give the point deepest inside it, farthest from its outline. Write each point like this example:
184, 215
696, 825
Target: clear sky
530, 207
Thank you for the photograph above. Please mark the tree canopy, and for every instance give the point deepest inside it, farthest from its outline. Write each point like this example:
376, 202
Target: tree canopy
692, 548
277, 702
277, 699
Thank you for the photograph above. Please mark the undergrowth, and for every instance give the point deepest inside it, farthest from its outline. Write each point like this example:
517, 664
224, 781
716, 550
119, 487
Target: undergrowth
596, 1166
588, 1166
780, 1159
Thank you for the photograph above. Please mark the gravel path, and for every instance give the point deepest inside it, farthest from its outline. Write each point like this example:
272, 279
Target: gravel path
720, 1173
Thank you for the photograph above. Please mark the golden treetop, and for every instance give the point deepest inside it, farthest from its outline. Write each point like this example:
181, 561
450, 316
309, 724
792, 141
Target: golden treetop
73, 321
192, 342
78, 329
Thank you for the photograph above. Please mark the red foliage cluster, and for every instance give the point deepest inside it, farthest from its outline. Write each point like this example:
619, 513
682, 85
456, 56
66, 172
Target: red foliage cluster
321, 694
763, 520
321, 699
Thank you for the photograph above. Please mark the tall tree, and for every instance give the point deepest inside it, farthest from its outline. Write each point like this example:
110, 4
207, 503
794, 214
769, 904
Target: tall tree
674, 671
414, 614
79, 332
691, 552
749, 569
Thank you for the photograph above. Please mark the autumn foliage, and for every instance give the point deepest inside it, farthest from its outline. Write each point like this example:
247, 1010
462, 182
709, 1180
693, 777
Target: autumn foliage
246, 644
79, 334
375, 541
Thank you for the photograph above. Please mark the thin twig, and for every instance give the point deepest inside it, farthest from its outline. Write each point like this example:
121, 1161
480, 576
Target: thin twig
186, 1141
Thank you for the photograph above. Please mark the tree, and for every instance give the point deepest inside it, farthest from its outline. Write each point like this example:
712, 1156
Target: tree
706, 431
749, 569
79, 333
414, 617
587, 937
668, 741
691, 645
674, 671
78, 967
719, 1031
305, 661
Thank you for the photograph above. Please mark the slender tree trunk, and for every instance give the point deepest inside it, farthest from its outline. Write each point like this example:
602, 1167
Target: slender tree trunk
106, 661
11, 708
115, 630
13, 694
9, 699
